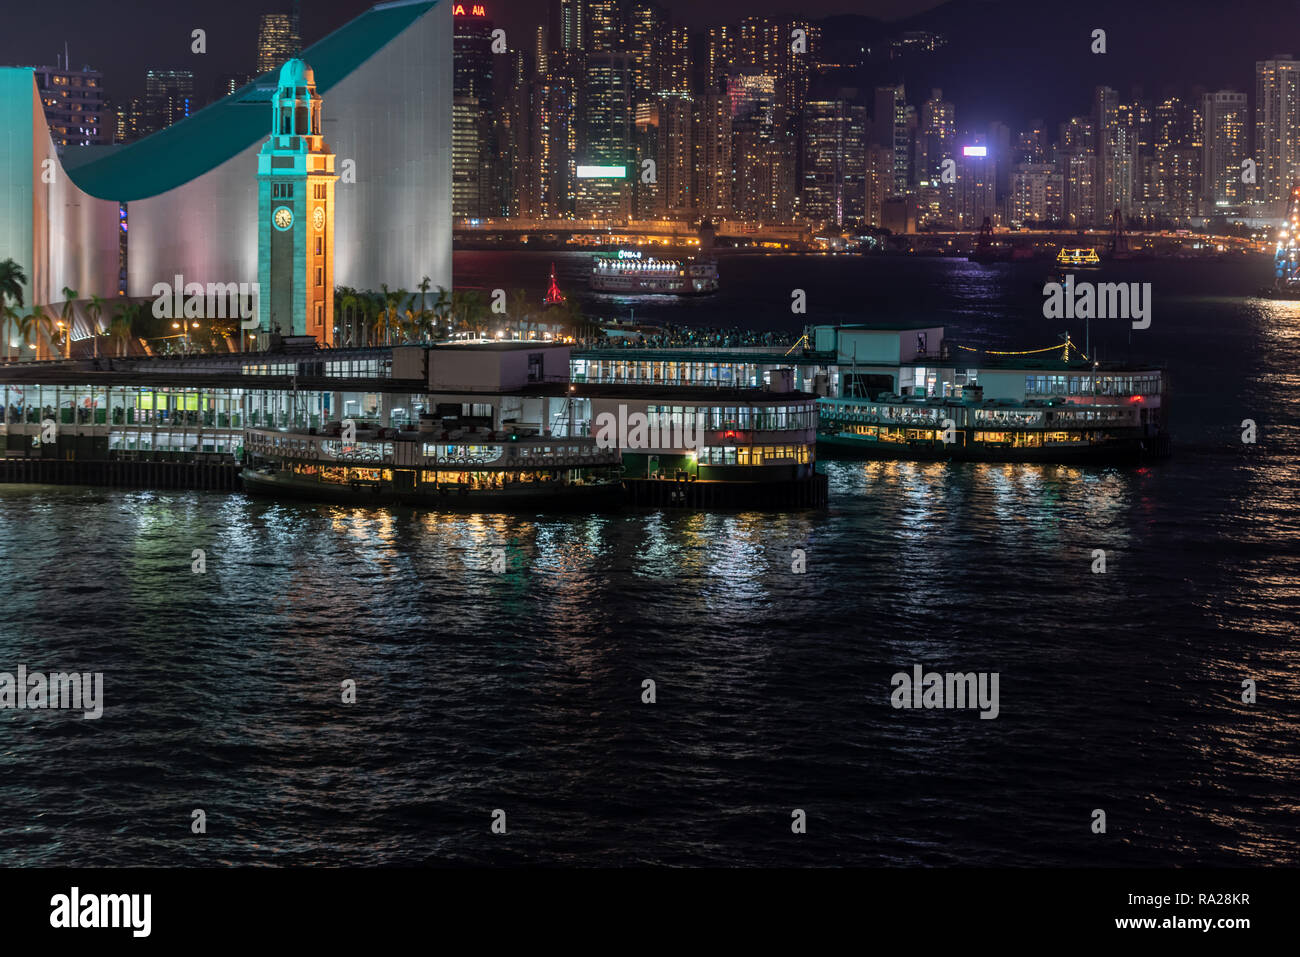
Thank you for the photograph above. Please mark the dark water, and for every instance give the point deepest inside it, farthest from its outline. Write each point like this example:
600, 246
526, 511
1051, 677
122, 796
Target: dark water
523, 691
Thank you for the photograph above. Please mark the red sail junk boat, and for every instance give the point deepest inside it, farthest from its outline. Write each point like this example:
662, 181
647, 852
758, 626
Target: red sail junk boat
553, 295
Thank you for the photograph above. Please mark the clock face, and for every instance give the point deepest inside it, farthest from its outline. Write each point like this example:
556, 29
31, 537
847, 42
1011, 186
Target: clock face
318, 218
282, 217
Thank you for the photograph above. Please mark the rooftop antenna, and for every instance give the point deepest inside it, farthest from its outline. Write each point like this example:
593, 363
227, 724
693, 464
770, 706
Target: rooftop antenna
67, 64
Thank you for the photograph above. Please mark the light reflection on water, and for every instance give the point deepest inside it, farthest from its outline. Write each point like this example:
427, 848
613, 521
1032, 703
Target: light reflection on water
524, 689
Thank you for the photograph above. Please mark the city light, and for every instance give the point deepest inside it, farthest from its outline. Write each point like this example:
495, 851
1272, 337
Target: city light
602, 172
975, 151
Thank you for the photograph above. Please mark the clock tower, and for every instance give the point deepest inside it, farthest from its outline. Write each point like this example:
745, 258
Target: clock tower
295, 205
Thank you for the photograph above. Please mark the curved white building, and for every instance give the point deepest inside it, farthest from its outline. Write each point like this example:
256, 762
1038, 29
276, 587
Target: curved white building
187, 197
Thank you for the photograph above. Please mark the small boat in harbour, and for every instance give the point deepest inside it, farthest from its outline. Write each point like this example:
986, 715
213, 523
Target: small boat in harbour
631, 272
1078, 257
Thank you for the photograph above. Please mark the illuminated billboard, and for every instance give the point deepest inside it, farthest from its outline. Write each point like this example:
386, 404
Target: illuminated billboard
975, 151
602, 172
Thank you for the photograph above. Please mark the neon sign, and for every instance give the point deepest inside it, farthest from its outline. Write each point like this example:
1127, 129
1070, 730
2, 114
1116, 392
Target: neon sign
475, 10
975, 151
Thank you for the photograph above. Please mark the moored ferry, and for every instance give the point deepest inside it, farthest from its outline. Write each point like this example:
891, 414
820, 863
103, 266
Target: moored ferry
994, 430
476, 469
629, 271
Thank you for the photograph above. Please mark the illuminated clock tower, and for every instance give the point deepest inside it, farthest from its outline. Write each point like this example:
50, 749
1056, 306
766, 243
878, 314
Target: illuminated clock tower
295, 205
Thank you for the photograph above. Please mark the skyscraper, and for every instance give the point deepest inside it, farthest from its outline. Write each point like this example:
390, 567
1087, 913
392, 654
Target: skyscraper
976, 194
1277, 129
677, 64
936, 136
277, 40
835, 160
1115, 154
1224, 148
606, 136
721, 57
475, 189
568, 25
676, 155
645, 39
168, 98
604, 28
713, 155
889, 130
553, 136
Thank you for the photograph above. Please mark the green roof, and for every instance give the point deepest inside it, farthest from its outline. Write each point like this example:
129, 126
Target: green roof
188, 149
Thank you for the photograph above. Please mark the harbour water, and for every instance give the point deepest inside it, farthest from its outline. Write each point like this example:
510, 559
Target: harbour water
524, 691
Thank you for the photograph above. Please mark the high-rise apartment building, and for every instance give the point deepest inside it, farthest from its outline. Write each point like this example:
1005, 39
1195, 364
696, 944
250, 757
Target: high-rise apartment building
1277, 130
1224, 148
713, 155
74, 104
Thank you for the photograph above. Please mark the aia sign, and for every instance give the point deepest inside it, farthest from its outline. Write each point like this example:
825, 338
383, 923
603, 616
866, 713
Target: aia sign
477, 10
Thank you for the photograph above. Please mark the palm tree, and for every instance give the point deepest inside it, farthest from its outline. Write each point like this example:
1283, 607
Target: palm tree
476, 314
521, 309
40, 322
10, 315
122, 324
389, 318
27, 324
346, 301
569, 315
94, 309
65, 311
423, 286
12, 280
411, 323
441, 307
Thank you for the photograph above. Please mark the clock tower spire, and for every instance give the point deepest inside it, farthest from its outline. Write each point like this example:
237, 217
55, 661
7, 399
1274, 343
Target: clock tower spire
295, 202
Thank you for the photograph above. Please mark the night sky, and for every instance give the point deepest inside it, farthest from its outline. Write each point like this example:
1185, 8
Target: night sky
1012, 60
126, 41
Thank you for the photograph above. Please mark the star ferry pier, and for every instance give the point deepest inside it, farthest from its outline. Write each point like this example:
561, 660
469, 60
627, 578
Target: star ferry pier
476, 424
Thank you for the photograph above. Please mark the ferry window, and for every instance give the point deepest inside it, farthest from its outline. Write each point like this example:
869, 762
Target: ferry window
534, 367
1029, 384
1041, 385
